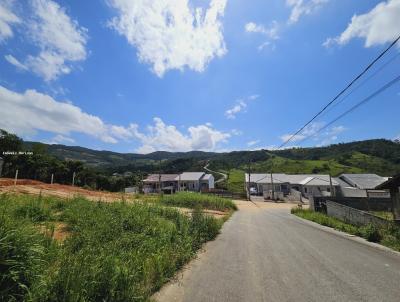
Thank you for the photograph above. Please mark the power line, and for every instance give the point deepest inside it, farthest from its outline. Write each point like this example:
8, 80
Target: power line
393, 58
341, 92
364, 101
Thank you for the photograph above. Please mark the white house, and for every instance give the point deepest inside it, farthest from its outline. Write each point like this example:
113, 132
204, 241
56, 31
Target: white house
285, 184
195, 181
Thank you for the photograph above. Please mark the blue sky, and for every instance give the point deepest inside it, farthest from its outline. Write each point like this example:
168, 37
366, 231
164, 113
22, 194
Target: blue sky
141, 76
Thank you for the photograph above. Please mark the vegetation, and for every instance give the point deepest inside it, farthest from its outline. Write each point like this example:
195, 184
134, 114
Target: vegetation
388, 236
193, 200
113, 171
110, 251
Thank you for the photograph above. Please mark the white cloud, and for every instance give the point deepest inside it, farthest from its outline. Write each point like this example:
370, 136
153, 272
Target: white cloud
59, 139
168, 138
252, 143
61, 41
378, 26
271, 33
26, 113
240, 106
169, 34
300, 8
12, 60
313, 131
7, 20
31, 111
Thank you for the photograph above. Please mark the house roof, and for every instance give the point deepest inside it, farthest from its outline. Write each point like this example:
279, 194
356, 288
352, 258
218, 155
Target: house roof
301, 179
164, 177
363, 181
190, 176
206, 176
341, 182
393, 182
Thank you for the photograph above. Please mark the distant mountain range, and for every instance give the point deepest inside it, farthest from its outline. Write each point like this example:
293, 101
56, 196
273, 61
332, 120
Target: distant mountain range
379, 156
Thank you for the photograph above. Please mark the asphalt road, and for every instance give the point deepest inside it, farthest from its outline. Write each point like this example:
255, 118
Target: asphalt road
266, 254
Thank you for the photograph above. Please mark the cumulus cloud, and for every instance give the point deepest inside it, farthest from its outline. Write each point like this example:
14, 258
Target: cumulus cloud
314, 131
161, 136
61, 41
240, 106
378, 26
300, 8
31, 111
7, 20
168, 34
26, 113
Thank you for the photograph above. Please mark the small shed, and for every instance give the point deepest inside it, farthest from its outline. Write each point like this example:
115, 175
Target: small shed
393, 184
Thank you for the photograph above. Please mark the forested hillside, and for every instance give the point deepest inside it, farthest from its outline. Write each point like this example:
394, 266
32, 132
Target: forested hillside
113, 171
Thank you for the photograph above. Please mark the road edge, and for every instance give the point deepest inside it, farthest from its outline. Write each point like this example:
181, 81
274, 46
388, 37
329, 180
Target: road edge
347, 236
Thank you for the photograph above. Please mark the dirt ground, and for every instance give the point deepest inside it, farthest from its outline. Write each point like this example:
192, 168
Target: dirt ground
254, 205
27, 186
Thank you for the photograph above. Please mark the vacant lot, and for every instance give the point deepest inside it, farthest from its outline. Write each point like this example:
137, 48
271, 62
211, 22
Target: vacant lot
54, 249
27, 186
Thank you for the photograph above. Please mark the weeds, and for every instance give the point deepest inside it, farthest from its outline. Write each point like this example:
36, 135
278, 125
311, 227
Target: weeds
115, 251
193, 200
386, 235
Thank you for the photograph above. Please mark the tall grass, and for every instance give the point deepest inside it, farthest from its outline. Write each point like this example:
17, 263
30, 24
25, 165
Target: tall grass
114, 252
387, 235
193, 200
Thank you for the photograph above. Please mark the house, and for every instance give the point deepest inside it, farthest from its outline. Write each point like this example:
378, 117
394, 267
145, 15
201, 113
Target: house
363, 181
195, 181
154, 183
171, 183
393, 185
361, 185
292, 184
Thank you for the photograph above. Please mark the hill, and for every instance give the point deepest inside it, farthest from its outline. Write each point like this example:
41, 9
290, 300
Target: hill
107, 170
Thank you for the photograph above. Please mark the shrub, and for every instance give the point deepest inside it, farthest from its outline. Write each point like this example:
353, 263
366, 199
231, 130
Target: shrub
193, 200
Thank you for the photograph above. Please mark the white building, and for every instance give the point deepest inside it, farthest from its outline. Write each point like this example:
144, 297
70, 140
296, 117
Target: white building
195, 181
286, 184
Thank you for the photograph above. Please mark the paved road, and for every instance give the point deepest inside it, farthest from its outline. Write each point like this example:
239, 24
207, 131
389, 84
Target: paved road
265, 254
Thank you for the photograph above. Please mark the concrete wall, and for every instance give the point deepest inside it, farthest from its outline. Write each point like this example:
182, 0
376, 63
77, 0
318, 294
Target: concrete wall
352, 215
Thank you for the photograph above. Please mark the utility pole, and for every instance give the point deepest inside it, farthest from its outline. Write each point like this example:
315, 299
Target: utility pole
16, 177
52, 178
330, 183
272, 185
179, 182
73, 179
159, 177
248, 181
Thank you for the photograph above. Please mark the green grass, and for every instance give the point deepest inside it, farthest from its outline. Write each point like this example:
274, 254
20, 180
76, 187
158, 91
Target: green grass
388, 236
193, 200
114, 251
235, 182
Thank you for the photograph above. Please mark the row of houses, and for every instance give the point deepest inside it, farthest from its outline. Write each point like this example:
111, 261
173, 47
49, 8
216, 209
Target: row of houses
171, 183
305, 185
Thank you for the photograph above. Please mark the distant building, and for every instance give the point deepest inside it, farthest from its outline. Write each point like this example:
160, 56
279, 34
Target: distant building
361, 185
186, 181
164, 182
291, 184
195, 181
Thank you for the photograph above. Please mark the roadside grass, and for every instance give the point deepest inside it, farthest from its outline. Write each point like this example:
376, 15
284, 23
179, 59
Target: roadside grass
235, 182
383, 214
113, 252
388, 236
193, 200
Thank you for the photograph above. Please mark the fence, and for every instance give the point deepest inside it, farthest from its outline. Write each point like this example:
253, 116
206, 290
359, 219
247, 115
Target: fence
353, 216
364, 204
